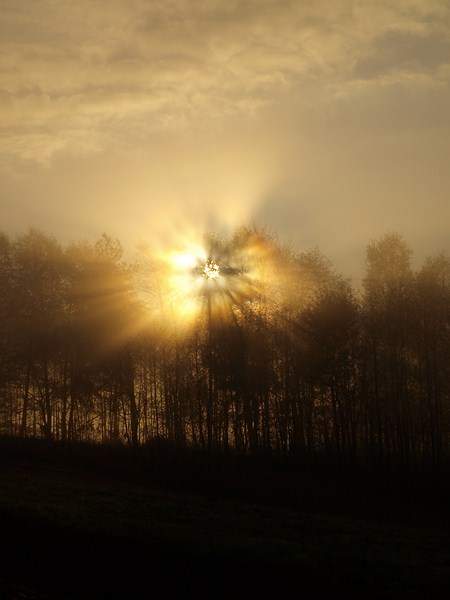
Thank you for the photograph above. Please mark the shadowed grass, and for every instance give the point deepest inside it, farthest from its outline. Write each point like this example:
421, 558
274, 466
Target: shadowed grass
75, 534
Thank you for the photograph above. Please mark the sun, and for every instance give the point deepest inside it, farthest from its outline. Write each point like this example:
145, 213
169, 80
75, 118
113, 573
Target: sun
211, 269
196, 273
208, 274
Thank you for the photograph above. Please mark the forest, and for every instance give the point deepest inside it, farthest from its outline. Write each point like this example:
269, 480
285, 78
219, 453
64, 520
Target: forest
248, 348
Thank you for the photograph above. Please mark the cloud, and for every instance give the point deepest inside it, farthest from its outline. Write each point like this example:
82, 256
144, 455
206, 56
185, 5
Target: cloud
120, 70
405, 52
300, 113
172, 65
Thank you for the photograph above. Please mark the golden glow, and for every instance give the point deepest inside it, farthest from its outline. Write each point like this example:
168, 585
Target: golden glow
211, 269
182, 282
223, 274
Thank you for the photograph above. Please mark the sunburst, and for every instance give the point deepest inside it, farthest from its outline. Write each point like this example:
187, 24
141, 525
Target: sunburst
226, 274
211, 269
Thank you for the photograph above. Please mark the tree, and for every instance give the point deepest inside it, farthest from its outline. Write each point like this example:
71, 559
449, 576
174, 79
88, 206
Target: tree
432, 344
105, 317
388, 286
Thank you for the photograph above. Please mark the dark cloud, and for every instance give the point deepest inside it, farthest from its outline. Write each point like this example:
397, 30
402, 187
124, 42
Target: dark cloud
404, 51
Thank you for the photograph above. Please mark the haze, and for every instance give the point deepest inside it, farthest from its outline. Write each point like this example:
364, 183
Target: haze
327, 122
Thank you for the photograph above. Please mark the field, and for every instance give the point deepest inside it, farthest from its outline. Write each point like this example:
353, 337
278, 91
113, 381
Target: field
74, 529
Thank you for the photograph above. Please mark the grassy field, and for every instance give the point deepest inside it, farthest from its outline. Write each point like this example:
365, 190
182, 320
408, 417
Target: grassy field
72, 533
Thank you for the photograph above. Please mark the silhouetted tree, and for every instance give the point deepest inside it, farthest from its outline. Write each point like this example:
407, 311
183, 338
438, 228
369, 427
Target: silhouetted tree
432, 346
281, 357
388, 301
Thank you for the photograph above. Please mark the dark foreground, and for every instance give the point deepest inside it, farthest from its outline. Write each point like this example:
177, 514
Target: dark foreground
74, 533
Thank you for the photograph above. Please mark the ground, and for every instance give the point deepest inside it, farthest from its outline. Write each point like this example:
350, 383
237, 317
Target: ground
71, 533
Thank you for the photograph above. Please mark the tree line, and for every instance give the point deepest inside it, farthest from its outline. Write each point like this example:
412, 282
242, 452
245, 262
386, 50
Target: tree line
285, 359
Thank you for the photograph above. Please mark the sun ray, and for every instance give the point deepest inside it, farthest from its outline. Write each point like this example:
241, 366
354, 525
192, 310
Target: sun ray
208, 271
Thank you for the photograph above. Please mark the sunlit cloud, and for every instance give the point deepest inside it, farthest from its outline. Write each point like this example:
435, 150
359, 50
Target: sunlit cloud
175, 65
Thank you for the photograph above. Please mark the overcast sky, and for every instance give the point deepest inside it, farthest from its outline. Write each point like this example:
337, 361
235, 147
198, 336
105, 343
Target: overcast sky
326, 121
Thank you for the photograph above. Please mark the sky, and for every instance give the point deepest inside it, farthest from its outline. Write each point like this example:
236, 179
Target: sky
326, 122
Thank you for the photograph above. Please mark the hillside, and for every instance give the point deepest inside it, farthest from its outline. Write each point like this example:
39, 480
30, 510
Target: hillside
74, 533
